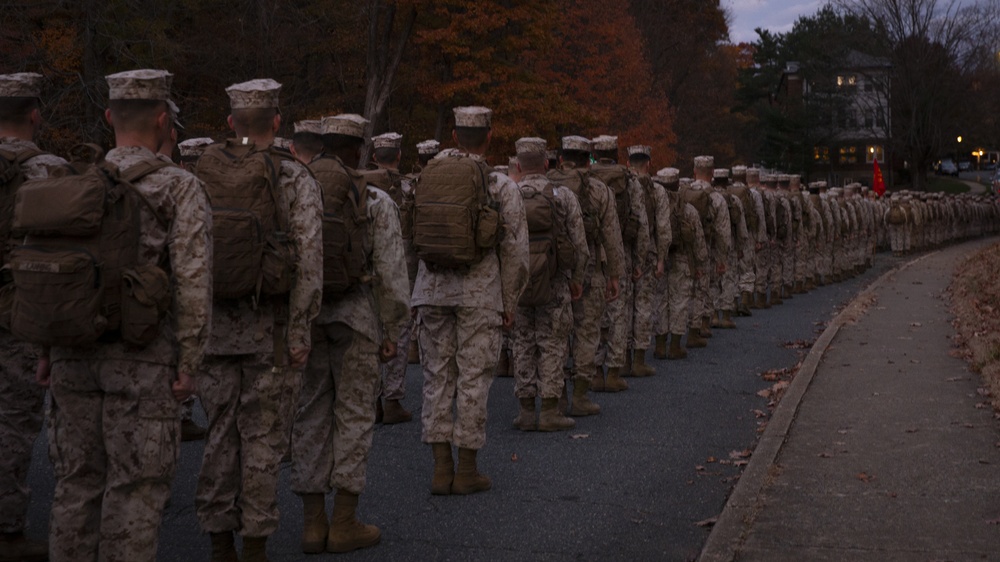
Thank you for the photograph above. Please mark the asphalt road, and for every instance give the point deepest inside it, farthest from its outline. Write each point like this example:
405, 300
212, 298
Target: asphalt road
620, 486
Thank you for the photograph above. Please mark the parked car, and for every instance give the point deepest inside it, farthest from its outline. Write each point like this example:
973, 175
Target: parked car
989, 165
964, 166
947, 168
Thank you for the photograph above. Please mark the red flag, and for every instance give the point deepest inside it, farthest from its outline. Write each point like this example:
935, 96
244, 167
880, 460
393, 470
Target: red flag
878, 184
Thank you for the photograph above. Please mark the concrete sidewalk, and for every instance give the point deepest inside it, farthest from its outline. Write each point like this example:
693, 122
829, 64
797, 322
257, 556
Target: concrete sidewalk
881, 449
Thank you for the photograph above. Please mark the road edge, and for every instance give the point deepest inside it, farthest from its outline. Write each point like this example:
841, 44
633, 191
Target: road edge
728, 533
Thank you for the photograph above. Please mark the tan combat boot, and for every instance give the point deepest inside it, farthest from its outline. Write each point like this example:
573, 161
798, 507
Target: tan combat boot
467, 477
746, 303
695, 340
615, 382
15, 546
394, 412
224, 547
598, 382
660, 351
714, 321
727, 320
810, 283
551, 419
706, 331
346, 532
798, 287
444, 469
582, 404
563, 399
315, 526
254, 549
639, 366
676, 351
526, 419
776, 296
760, 300
755, 301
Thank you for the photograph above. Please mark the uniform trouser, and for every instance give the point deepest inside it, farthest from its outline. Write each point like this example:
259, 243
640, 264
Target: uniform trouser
762, 267
618, 316
644, 304
802, 258
728, 282
394, 372
335, 422
114, 439
701, 293
22, 404
459, 350
776, 276
896, 239
788, 262
587, 315
245, 399
540, 340
674, 317
747, 274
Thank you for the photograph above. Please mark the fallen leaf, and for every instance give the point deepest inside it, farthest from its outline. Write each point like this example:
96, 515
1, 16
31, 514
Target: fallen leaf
699, 468
916, 324
912, 430
865, 477
708, 522
711, 459
825, 456
513, 457
983, 392
740, 454
760, 413
956, 379
968, 425
579, 435
741, 463
993, 521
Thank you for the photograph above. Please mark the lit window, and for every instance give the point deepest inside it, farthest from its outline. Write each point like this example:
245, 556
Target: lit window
821, 154
874, 151
848, 155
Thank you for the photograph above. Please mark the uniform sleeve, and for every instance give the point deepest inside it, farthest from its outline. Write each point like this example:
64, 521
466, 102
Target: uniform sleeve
392, 290
637, 200
721, 224
190, 246
41, 166
513, 250
576, 234
742, 235
700, 249
664, 232
611, 231
306, 225
758, 204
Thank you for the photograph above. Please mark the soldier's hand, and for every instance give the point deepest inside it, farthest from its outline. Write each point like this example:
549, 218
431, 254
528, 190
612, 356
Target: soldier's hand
612, 290
508, 321
636, 273
297, 357
720, 269
660, 267
575, 291
387, 351
184, 387
43, 372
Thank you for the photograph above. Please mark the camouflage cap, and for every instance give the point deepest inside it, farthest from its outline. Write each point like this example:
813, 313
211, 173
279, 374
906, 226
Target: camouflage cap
501, 169
314, 126
669, 175
261, 93
194, 147
21, 85
704, 162
282, 143
388, 140
639, 150
753, 173
604, 142
739, 172
720, 173
348, 124
686, 182
473, 116
576, 142
430, 146
530, 144
552, 154
142, 84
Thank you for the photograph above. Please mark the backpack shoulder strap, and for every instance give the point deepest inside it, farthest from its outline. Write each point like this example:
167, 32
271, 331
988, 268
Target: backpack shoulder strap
136, 172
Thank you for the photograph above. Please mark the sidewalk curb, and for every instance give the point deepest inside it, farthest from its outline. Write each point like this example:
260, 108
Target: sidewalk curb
729, 531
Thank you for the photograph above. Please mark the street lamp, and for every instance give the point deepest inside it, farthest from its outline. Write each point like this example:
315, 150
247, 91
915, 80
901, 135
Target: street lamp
957, 150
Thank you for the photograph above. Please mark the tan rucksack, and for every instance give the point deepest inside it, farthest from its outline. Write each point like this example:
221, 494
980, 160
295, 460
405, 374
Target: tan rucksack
741, 191
616, 177
549, 250
76, 277
649, 198
700, 200
345, 225
387, 180
577, 181
11, 178
252, 254
454, 220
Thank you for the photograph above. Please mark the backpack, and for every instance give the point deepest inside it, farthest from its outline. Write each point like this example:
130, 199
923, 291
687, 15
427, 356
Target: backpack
615, 176
11, 178
700, 200
782, 220
735, 210
386, 180
76, 277
252, 254
743, 193
539, 210
345, 224
648, 197
454, 222
577, 181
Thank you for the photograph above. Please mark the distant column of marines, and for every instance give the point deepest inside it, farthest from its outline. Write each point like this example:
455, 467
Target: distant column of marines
288, 289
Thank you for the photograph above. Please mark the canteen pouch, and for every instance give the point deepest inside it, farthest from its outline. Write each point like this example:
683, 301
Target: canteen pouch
488, 228
278, 265
145, 300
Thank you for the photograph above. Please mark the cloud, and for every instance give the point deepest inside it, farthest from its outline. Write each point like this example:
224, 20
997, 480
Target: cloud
775, 15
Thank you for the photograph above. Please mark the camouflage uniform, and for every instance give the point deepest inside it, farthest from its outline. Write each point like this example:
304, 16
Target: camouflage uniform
719, 238
647, 298
114, 429
21, 398
333, 429
781, 275
458, 323
541, 333
688, 255
247, 391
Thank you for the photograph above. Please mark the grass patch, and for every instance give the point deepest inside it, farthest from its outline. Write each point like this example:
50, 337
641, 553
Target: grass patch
946, 184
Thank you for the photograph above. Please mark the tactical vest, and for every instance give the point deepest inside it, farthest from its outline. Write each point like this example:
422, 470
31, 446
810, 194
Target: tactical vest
77, 278
454, 221
252, 253
345, 225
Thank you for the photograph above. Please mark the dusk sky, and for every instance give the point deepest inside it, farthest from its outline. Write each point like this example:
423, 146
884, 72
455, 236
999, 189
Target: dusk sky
775, 15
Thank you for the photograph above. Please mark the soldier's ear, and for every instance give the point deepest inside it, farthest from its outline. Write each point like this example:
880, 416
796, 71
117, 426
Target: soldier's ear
454, 137
276, 124
107, 117
229, 121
